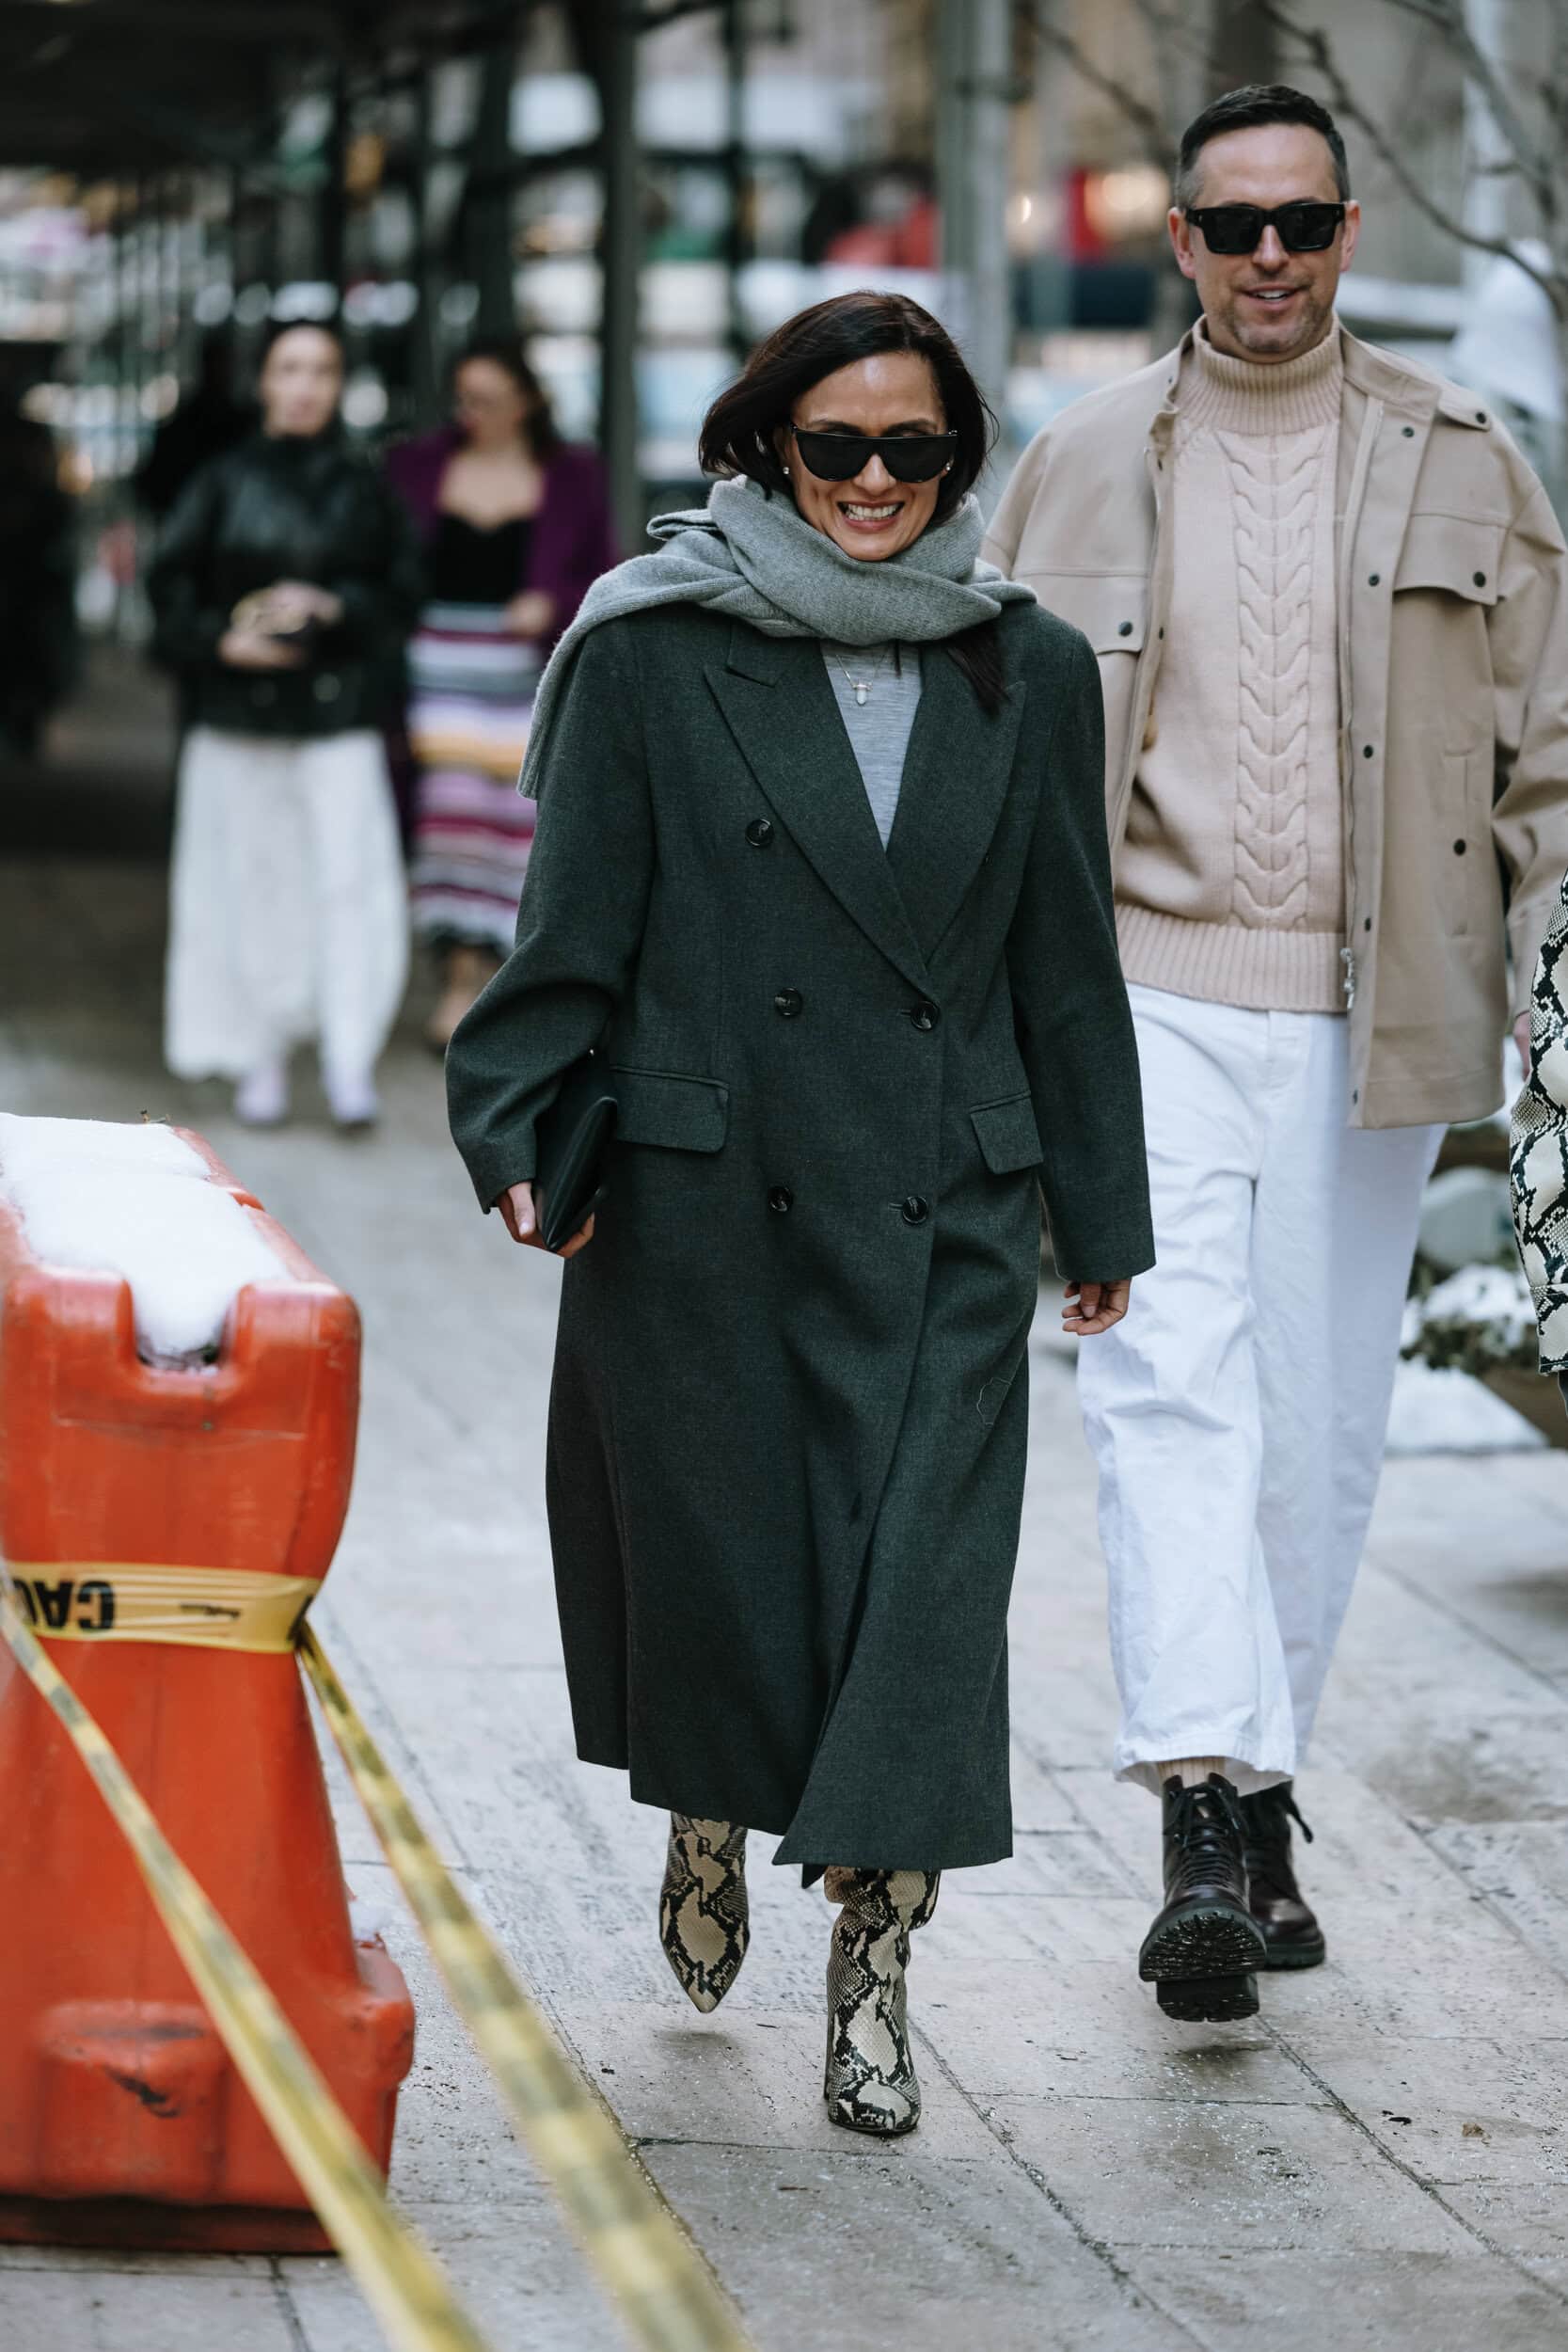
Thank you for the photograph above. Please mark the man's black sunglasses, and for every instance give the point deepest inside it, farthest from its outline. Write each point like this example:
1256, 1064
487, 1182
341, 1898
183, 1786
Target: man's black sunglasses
907, 456
1303, 228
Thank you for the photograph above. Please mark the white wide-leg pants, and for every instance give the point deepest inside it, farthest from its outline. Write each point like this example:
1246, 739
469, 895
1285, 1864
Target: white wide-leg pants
288, 909
1236, 1415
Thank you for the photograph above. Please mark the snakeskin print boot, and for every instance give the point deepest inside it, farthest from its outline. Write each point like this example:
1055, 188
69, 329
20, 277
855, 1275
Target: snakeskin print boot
870, 2084
704, 1918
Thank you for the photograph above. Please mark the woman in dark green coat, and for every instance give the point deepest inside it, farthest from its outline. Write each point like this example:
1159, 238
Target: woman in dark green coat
821, 875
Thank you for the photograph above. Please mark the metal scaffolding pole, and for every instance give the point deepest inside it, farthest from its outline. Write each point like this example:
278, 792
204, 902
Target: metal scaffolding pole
621, 243
974, 95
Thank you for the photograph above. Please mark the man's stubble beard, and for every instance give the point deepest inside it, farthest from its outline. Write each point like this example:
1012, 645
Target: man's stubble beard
1317, 319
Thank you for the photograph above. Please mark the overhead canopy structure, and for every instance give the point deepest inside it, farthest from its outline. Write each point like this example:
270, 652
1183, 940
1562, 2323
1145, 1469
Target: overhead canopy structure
95, 87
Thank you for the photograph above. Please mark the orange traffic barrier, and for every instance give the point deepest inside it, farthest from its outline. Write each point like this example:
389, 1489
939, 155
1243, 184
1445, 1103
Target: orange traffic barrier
162, 1528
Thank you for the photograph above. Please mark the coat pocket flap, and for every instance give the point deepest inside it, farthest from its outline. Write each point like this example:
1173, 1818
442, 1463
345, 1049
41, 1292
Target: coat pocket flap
1450, 552
1111, 607
680, 1114
1008, 1136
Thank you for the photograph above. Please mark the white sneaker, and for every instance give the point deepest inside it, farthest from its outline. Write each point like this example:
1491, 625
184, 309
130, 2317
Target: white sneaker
261, 1096
352, 1097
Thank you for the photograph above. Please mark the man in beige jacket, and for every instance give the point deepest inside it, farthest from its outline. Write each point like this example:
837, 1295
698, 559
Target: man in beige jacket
1328, 598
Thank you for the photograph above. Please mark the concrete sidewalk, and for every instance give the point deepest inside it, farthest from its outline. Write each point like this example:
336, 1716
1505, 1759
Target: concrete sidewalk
1380, 2161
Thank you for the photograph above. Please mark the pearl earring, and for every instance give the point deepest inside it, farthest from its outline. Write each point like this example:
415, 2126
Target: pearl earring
786, 470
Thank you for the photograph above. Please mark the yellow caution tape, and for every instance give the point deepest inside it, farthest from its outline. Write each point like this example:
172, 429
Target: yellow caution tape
667, 2298
108, 1600
400, 2281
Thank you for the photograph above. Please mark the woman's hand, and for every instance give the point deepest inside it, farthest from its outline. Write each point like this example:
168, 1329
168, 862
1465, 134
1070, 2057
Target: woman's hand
253, 649
516, 1207
291, 603
530, 614
1092, 1307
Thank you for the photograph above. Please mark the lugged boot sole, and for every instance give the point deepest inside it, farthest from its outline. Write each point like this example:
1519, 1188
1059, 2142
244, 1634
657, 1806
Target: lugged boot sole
1208, 1939
1208, 2000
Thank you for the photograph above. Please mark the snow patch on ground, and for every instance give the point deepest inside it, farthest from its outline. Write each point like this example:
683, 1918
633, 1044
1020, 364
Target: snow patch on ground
136, 1202
1448, 1412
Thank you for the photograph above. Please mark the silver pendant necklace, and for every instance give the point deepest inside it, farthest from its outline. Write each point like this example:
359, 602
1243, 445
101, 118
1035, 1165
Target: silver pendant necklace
861, 687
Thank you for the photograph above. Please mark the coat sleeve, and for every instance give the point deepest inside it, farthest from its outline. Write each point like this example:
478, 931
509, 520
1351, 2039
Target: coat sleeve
1538, 1161
1069, 1001
382, 594
579, 927
1528, 635
187, 621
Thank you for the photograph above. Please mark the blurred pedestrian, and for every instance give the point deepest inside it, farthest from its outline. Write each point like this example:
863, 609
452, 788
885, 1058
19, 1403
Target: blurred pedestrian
516, 526
210, 419
841, 930
1328, 597
285, 583
37, 581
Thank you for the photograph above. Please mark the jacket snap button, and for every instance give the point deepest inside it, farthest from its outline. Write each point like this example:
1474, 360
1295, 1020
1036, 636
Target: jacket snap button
1480, 579
1480, 415
1366, 751
924, 1014
1459, 848
327, 688
1409, 432
781, 1199
1372, 579
759, 832
1125, 629
915, 1211
786, 1003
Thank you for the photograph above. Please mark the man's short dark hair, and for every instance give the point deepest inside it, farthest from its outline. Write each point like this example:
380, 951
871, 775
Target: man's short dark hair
1245, 110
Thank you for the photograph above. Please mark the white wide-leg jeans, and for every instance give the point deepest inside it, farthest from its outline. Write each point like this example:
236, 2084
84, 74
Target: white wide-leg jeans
1236, 1415
288, 909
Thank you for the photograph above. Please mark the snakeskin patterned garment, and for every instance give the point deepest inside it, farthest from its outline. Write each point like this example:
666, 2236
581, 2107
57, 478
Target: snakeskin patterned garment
1537, 1164
704, 1914
870, 2085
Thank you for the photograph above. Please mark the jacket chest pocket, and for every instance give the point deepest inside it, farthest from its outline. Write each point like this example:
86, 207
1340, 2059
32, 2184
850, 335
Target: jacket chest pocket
1445, 586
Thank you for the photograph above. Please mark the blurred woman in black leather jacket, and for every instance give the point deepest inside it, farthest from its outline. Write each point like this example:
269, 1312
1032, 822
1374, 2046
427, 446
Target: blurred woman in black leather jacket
286, 582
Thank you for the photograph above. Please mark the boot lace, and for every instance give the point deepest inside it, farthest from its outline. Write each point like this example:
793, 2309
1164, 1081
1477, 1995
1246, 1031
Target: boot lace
1209, 1833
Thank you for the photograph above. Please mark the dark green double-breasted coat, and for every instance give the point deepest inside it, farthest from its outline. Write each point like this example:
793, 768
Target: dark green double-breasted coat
788, 1417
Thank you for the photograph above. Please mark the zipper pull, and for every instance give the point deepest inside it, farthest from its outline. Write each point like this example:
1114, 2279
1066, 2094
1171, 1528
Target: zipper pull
1347, 957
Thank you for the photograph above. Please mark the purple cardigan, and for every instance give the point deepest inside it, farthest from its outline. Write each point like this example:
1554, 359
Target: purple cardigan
572, 541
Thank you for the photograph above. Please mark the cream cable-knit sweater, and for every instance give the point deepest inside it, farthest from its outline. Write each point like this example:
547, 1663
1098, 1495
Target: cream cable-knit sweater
1230, 885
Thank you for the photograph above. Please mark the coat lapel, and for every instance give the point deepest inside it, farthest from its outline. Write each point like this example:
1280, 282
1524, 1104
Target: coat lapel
956, 774
779, 704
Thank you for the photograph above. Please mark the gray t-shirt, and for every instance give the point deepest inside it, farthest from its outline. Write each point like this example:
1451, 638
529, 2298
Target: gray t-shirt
878, 727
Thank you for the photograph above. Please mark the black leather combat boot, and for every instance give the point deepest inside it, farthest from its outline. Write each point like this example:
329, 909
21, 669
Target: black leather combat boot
1202, 1949
1290, 1926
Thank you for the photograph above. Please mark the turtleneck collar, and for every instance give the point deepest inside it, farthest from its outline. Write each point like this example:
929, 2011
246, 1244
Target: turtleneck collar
1255, 396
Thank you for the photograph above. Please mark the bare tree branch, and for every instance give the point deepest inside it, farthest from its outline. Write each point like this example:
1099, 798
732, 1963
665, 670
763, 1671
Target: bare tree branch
1448, 18
1319, 50
1155, 134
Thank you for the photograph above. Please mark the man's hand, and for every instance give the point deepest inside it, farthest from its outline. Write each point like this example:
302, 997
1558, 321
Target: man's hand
1094, 1307
516, 1207
1521, 1039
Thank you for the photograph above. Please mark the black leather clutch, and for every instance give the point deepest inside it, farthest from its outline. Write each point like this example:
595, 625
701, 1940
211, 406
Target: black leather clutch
573, 1146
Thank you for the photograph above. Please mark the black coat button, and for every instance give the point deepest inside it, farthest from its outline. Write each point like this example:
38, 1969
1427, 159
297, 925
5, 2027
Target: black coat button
1124, 628
915, 1211
1372, 579
1459, 848
781, 1199
786, 1003
1480, 579
924, 1014
759, 832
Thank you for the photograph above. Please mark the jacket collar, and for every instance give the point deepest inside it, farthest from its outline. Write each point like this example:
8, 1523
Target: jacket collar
1378, 374
779, 704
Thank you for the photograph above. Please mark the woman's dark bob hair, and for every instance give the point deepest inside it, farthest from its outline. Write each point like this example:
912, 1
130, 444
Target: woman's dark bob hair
539, 429
738, 435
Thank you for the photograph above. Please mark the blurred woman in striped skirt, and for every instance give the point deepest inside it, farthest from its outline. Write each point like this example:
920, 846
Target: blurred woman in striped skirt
515, 527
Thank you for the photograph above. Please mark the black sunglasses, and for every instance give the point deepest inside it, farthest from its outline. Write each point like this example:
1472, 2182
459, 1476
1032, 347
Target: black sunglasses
1303, 228
907, 456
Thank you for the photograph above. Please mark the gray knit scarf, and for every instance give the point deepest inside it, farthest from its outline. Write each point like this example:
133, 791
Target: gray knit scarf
751, 557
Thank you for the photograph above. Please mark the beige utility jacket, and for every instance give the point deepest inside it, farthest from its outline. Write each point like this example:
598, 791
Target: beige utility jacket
1453, 693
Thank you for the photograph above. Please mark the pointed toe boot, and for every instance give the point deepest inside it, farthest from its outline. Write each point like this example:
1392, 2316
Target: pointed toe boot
1202, 1949
1288, 1923
870, 2084
704, 1915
